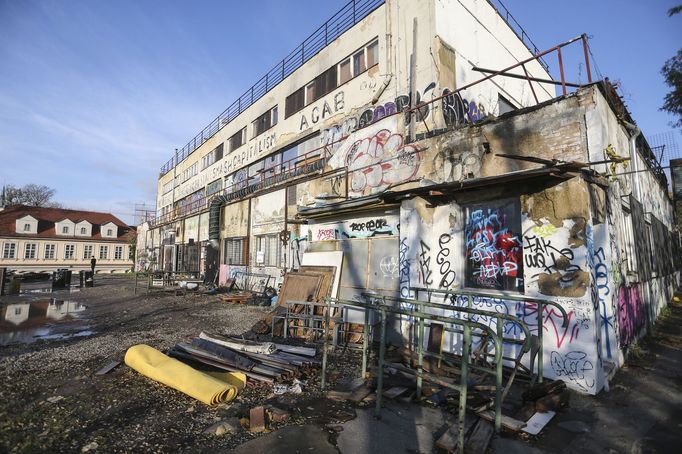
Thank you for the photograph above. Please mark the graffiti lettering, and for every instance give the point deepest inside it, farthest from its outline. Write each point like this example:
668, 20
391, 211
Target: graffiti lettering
404, 269
381, 160
323, 111
425, 263
448, 275
458, 111
493, 251
369, 226
573, 365
326, 234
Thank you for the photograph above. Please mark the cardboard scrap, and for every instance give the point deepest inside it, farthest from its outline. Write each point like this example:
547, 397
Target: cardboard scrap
537, 422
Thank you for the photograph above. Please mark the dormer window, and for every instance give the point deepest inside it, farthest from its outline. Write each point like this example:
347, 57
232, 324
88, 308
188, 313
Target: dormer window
27, 227
84, 231
65, 229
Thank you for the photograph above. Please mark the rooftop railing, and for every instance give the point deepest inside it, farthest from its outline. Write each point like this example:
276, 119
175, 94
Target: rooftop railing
352, 13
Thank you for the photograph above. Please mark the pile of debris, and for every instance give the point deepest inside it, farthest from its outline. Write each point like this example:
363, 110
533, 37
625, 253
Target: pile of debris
261, 362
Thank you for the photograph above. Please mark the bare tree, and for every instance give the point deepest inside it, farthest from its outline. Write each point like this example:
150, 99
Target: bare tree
30, 194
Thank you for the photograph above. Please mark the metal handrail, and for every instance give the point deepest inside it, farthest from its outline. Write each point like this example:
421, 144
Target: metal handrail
348, 16
462, 388
540, 302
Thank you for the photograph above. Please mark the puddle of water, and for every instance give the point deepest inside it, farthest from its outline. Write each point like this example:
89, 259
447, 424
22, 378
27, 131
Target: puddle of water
45, 319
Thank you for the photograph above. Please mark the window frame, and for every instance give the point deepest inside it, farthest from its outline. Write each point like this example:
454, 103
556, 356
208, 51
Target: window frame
34, 251
265, 243
69, 251
103, 252
12, 249
118, 252
233, 143
240, 246
50, 251
86, 254
264, 122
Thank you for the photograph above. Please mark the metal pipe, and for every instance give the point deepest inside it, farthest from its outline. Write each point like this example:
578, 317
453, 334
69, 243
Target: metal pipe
420, 351
365, 338
463, 388
561, 71
633, 155
380, 372
325, 347
541, 328
587, 58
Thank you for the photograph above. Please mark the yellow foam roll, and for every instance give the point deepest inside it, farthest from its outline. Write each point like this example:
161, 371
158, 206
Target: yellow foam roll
211, 390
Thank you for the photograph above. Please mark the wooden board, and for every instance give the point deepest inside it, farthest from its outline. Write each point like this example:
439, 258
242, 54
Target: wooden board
478, 441
299, 287
328, 273
435, 343
507, 422
331, 258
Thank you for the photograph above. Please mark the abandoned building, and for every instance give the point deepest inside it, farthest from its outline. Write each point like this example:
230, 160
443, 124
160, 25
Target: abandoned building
43, 240
428, 144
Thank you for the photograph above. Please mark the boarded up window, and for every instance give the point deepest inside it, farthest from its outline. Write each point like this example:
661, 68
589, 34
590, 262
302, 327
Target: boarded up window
494, 248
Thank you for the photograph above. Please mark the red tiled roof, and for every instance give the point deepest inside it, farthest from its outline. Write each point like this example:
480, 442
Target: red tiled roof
48, 216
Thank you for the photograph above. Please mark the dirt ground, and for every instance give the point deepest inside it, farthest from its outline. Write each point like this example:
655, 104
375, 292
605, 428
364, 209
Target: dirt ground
52, 401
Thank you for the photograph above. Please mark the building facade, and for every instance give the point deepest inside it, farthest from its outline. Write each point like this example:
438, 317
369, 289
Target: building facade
42, 240
390, 141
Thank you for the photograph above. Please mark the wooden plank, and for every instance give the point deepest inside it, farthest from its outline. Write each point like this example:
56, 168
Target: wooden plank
108, 368
394, 392
507, 422
448, 441
478, 441
435, 343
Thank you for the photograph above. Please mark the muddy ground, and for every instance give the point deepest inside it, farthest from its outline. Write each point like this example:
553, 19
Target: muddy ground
52, 401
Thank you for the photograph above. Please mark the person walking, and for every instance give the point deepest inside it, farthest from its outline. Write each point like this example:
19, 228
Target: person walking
93, 262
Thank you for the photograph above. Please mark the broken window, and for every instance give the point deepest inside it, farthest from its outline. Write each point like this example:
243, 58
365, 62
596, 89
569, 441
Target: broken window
265, 122
234, 251
213, 187
494, 245
237, 139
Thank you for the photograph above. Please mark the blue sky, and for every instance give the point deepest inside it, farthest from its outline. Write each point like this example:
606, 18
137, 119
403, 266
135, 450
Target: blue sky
95, 95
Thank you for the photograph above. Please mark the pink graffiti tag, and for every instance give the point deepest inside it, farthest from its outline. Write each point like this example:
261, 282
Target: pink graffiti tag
326, 234
631, 313
381, 160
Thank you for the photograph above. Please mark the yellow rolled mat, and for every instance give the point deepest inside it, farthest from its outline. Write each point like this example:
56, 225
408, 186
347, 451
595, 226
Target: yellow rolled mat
209, 389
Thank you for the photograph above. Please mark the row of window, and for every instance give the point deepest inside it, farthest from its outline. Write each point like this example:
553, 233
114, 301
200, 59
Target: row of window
348, 68
268, 250
66, 230
352, 66
30, 252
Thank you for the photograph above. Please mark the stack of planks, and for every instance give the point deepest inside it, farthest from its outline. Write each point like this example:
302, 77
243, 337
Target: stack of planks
262, 362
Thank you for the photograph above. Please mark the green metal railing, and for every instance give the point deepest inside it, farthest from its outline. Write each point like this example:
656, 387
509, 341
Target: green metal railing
540, 302
466, 327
